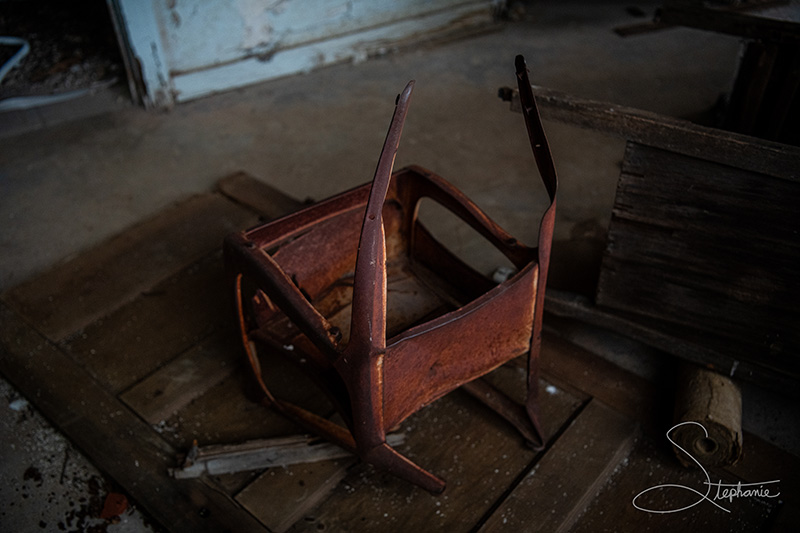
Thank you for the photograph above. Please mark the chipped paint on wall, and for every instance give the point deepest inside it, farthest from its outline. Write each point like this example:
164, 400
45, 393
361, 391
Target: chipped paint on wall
206, 47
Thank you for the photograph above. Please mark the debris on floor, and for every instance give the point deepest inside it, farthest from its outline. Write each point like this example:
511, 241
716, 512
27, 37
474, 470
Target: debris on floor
72, 47
48, 485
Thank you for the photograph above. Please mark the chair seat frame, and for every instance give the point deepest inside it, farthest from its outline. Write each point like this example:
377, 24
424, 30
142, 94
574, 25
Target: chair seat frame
281, 268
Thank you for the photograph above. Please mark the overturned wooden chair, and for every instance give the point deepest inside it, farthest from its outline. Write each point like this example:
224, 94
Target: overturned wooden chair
322, 273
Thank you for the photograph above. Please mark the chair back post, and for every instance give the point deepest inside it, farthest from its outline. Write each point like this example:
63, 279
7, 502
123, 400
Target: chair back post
547, 171
361, 362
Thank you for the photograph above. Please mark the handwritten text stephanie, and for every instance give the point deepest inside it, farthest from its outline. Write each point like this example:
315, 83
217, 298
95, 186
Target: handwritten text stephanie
724, 491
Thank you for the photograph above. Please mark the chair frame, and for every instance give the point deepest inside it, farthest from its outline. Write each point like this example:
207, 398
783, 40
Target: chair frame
373, 381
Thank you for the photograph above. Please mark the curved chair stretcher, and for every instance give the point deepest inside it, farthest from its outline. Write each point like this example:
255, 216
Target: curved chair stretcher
282, 269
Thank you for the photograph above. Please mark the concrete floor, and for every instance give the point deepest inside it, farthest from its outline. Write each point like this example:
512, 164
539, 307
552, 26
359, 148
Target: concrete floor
72, 183
74, 174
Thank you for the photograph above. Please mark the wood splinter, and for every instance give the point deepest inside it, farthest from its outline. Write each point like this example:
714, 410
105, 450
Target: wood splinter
257, 454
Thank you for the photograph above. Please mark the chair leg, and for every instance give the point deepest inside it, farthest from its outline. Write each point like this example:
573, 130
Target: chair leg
514, 413
387, 458
382, 456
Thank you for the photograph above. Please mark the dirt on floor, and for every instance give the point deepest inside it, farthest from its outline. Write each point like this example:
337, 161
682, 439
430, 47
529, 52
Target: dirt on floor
46, 484
72, 47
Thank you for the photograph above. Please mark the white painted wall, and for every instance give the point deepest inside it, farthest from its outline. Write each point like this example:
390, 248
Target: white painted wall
184, 49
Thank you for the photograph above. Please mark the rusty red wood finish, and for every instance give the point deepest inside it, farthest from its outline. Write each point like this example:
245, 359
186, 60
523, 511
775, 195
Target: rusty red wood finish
376, 382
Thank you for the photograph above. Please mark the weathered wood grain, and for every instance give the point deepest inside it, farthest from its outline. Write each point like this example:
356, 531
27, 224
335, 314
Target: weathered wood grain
180, 381
282, 496
79, 291
262, 198
222, 459
479, 455
634, 397
566, 479
649, 465
125, 346
679, 136
709, 247
232, 410
732, 22
753, 192
707, 350
116, 439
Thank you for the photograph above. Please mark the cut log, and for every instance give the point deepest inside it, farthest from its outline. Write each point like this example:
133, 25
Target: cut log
714, 402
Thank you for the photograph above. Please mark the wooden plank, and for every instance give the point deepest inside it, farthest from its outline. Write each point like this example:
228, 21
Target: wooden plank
479, 455
282, 496
81, 290
175, 385
642, 400
681, 345
651, 463
126, 346
563, 482
116, 439
746, 25
232, 410
573, 367
258, 196
680, 136
728, 7
260, 454
232, 484
677, 192
763, 461
755, 324
709, 247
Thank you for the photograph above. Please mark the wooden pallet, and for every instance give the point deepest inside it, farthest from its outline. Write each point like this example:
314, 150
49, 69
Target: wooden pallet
130, 350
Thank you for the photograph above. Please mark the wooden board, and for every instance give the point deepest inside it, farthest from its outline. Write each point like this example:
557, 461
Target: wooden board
303, 487
777, 26
268, 202
175, 385
172, 316
634, 397
649, 465
81, 290
147, 372
757, 175
115, 439
708, 247
478, 454
677, 135
569, 476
